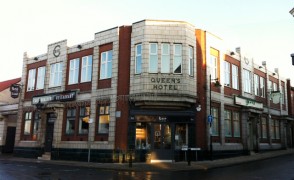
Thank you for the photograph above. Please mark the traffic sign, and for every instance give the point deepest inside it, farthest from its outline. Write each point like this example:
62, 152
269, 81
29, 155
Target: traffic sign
209, 118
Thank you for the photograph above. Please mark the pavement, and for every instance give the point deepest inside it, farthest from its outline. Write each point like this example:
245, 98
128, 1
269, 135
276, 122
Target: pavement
156, 167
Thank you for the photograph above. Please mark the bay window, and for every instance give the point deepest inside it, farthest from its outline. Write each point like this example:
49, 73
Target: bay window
165, 58
138, 59
177, 63
153, 58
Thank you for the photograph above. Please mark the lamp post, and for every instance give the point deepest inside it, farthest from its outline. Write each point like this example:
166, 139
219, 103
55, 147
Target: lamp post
210, 118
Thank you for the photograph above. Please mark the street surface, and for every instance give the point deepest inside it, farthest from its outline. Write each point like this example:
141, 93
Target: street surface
280, 168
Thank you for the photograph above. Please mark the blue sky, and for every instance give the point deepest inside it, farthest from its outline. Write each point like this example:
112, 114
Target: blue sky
263, 29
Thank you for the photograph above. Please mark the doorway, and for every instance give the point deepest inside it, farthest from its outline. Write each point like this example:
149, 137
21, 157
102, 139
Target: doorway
51, 117
162, 134
10, 139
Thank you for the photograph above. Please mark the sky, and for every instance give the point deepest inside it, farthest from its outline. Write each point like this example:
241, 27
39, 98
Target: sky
264, 29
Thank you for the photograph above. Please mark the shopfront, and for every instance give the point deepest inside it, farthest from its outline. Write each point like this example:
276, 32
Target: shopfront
162, 135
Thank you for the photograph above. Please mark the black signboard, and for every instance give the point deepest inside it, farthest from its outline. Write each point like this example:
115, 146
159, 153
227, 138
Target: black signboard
52, 97
15, 90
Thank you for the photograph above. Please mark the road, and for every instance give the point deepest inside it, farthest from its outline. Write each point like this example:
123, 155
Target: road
276, 168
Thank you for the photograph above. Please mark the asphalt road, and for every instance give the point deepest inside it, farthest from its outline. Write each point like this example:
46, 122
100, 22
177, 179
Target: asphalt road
276, 168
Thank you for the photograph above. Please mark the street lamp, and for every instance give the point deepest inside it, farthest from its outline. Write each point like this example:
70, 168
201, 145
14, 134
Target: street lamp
210, 118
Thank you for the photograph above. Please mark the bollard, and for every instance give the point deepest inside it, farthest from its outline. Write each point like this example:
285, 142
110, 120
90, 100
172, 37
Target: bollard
189, 157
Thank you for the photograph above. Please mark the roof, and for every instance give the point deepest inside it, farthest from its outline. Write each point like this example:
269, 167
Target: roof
6, 84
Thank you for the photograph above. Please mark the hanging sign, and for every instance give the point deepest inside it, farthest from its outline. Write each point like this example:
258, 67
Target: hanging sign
15, 90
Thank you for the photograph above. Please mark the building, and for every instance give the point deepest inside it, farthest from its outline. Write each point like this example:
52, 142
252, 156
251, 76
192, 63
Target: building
8, 115
147, 90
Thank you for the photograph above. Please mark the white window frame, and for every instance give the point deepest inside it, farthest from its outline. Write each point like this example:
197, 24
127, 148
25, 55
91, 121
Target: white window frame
165, 58
153, 58
191, 61
74, 67
31, 80
256, 85
247, 81
55, 75
41, 77
227, 74
138, 59
106, 65
262, 86
235, 77
178, 59
86, 70
213, 66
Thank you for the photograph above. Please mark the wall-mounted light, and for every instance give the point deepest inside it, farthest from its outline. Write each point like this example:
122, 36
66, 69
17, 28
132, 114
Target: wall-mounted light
232, 53
260, 67
198, 108
274, 73
36, 58
79, 46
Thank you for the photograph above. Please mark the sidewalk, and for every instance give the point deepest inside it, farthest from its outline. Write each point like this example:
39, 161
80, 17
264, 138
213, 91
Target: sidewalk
155, 167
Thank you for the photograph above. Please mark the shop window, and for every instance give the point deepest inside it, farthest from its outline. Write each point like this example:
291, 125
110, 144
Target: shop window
55, 75
103, 119
84, 120
138, 60
215, 122
237, 125
181, 136
27, 123
177, 63
70, 121
263, 128
228, 123
143, 135
165, 58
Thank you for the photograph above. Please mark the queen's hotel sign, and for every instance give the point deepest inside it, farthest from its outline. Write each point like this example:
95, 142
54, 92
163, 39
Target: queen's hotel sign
167, 84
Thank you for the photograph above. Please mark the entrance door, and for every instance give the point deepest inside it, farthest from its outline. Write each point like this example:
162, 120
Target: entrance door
49, 132
162, 141
9, 143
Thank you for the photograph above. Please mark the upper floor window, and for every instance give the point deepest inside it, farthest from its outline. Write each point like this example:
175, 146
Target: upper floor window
282, 95
55, 75
86, 72
165, 58
262, 86
247, 81
270, 85
138, 59
106, 65
213, 67
177, 63
275, 87
153, 58
191, 61
31, 80
235, 77
227, 72
41, 78
256, 85
74, 65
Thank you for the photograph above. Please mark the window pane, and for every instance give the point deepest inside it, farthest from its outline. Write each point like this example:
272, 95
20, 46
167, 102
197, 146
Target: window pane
106, 65
41, 78
31, 80
103, 126
165, 58
27, 123
70, 121
138, 60
215, 131
227, 73
73, 71
213, 67
235, 80
236, 119
191, 61
228, 122
86, 69
181, 138
153, 58
177, 64
55, 75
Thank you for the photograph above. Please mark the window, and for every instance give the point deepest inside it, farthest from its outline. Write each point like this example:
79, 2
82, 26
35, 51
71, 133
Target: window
138, 60
214, 126
228, 123
103, 125
191, 61
106, 65
153, 58
181, 136
27, 123
263, 128
256, 85
143, 134
282, 95
213, 67
275, 130
41, 78
74, 71
165, 58
227, 73
237, 125
70, 121
177, 63
84, 123
86, 74
275, 87
262, 86
31, 80
235, 78
270, 86
55, 75
247, 81
37, 120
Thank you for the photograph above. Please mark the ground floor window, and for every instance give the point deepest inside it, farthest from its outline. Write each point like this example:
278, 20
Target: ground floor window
275, 130
181, 136
143, 135
103, 119
31, 125
215, 121
263, 128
